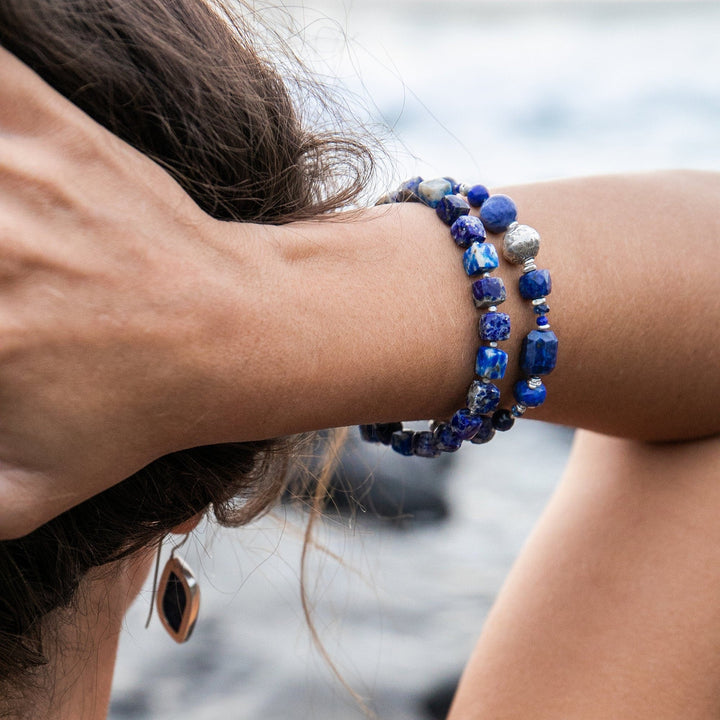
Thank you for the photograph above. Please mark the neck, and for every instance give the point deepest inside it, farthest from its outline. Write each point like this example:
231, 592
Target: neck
83, 643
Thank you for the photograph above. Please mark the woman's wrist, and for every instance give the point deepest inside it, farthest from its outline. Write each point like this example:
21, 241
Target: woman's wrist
368, 317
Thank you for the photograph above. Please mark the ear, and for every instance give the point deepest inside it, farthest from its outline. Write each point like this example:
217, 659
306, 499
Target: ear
188, 526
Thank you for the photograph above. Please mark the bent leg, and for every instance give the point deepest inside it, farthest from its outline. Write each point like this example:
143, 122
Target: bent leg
613, 608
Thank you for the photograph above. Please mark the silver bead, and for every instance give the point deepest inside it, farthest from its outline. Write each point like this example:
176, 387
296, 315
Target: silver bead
520, 243
529, 265
534, 382
544, 327
492, 308
518, 410
464, 189
539, 301
492, 344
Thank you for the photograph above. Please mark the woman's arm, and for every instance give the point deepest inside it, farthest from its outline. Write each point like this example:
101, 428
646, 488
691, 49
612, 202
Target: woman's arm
613, 608
372, 318
132, 325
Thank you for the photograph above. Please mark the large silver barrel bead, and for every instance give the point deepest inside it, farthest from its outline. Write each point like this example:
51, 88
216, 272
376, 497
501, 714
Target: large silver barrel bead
520, 243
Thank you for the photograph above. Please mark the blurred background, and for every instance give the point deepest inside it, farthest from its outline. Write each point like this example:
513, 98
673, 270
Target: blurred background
493, 92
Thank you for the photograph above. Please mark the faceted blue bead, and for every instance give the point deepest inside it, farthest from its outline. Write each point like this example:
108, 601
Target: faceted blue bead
402, 442
543, 309
423, 445
532, 397
466, 230
477, 195
480, 258
384, 431
455, 184
485, 432
431, 192
488, 291
495, 326
411, 184
368, 433
451, 207
542, 320
483, 397
503, 420
465, 424
539, 352
491, 363
497, 212
446, 439
535, 284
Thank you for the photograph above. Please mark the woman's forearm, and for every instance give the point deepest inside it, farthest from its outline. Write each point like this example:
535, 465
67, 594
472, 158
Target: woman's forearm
369, 318
611, 611
133, 325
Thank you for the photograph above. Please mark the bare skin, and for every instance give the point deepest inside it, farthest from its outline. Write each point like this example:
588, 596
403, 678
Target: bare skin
132, 323
613, 608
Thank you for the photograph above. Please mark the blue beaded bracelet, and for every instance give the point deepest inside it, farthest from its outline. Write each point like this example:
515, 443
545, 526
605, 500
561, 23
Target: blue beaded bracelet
454, 203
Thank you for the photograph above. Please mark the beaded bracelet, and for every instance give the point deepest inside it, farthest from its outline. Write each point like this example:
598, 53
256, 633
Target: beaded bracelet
481, 418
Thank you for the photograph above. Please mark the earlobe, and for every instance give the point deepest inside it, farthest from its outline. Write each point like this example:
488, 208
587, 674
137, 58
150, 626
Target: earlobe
189, 525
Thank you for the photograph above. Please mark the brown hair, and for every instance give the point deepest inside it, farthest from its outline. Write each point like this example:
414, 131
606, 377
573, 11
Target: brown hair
182, 81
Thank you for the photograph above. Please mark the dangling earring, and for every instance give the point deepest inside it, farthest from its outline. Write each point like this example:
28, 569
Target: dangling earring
177, 596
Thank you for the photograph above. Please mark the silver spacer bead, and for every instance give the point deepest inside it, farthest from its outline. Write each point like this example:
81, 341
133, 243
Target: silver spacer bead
529, 265
492, 344
492, 308
521, 242
539, 301
433, 425
464, 189
544, 327
534, 382
518, 410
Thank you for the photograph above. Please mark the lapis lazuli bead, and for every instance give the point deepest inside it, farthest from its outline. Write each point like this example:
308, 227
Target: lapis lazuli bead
497, 212
446, 439
431, 192
411, 184
367, 433
454, 183
485, 431
541, 309
480, 258
491, 363
465, 424
402, 442
495, 326
451, 207
488, 291
466, 230
483, 397
539, 352
502, 420
423, 445
530, 396
477, 195
535, 284
542, 320
384, 431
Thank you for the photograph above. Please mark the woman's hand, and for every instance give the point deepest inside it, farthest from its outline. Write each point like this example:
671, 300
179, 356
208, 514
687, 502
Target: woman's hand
100, 266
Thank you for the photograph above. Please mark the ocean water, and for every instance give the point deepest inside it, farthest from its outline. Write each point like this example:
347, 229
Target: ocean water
494, 92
